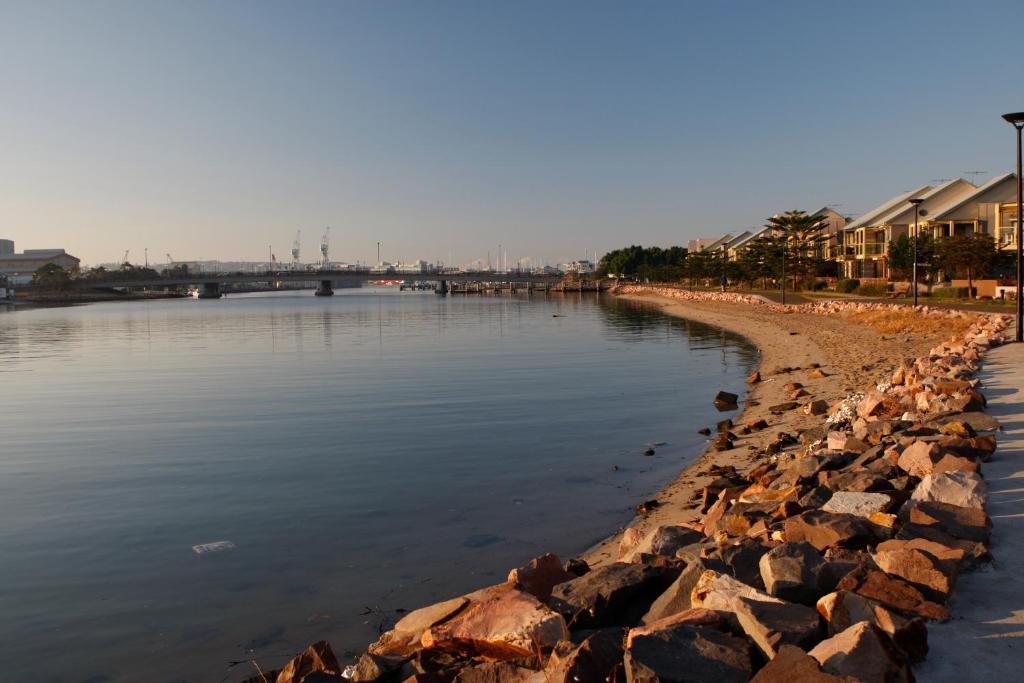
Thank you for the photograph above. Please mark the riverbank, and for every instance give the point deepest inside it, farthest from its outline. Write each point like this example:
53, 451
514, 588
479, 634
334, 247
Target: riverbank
822, 532
75, 297
848, 354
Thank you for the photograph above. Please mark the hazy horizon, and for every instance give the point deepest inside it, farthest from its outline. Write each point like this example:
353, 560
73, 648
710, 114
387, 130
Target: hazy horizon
443, 129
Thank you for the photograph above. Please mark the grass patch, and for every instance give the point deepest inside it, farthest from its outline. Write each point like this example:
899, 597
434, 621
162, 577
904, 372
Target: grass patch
909, 322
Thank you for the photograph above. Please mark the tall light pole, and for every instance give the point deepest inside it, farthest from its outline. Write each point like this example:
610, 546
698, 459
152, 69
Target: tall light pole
1017, 121
916, 201
785, 248
378, 253
725, 257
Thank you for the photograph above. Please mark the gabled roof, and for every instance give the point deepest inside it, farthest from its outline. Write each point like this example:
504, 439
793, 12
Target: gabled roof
827, 209
955, 204
724, 239
870, 217
743, 235
956, 188
750, 237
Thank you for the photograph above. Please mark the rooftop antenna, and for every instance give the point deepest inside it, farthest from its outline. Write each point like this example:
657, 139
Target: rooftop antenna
295, 250
974, 179
323, 247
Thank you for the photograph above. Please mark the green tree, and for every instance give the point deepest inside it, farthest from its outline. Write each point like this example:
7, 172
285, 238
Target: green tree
51, 276
803, 237
970, 255
699, 265
653, 263
901, 256
760, 260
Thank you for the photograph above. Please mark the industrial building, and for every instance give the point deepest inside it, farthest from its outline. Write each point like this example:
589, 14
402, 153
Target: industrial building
19, 268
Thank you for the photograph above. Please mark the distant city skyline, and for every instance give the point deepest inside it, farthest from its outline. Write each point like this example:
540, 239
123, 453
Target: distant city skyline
443, 129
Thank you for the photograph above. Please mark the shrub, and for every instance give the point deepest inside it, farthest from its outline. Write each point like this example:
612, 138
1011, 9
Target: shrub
872, 290
818, 285
951, 292
907, 321
847, 286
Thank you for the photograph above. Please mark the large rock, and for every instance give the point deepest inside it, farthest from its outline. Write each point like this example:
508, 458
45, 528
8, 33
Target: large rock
933, 568
598, 658
795, 572
974, 447
859, 503
863, 652
742, 559
664, 541
720, 592
828, 529
966, 489
922, 458
539, 576
317, 658
696, 616
858, 481
975, 552
688, 654
892, 592
725, 400
404, 638
616, 594
961, 522
793, 665
504, 623
873, 403
368, 668
773, 624
843, 609
678, 596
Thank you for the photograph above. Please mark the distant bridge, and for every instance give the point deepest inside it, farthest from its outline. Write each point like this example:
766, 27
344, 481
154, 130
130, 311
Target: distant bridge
210, 284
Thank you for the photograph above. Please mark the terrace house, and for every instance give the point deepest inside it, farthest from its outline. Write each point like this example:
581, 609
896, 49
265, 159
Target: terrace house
864, 251
991, 209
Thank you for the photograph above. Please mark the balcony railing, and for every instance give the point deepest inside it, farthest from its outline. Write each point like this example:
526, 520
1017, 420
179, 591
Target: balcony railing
874, 249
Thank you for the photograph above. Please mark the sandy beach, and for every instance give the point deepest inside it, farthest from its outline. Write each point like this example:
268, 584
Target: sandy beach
851, 353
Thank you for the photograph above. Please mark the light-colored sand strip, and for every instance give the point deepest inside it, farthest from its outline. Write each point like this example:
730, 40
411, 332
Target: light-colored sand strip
851, 354
985, 639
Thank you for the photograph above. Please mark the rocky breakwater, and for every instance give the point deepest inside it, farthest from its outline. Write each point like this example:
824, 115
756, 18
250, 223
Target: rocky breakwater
825, 561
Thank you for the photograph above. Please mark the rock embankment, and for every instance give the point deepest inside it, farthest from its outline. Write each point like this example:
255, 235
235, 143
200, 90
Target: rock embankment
824, 561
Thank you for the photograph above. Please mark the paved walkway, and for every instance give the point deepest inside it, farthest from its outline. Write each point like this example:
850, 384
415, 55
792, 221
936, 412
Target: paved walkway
985, 639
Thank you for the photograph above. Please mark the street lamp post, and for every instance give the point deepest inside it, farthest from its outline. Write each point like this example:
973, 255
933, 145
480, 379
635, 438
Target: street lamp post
1017, 121
785, 248
917, 204
725, 257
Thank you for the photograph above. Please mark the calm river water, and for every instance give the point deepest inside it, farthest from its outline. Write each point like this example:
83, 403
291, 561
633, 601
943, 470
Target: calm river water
365, 453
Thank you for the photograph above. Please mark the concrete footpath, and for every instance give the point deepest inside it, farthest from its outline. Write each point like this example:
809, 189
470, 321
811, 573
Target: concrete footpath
985, 639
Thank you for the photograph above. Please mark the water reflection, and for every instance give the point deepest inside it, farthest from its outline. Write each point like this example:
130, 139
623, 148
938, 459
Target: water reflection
365, 450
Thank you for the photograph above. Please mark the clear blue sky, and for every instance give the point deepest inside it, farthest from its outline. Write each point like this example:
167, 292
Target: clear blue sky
216, 129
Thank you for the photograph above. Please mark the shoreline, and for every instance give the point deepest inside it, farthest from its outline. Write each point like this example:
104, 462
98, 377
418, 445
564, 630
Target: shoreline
857, 416
676, 497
